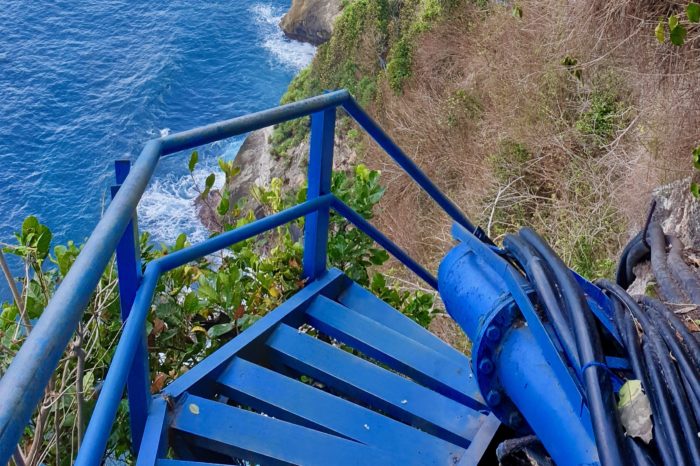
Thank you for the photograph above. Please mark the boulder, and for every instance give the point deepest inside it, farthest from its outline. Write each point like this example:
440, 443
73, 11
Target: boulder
311, 20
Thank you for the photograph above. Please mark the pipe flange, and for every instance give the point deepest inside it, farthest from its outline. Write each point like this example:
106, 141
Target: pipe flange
485, 353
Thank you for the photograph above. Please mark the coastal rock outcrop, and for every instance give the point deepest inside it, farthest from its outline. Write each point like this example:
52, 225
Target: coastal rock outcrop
311, 20
258, 166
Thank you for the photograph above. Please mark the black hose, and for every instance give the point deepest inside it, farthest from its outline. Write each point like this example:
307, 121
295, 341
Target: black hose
541, 277
555, 312
630, 340
635, 251
659, 265
684, 360
665, 424
599, 393
678, 327
694, 400
665, 382
640, 454
681, 272
680, 398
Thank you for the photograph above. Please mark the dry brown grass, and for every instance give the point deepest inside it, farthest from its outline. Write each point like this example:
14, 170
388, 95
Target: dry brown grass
585, 195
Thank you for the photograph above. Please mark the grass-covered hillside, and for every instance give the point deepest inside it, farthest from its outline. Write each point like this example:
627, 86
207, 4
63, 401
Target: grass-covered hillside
558, 115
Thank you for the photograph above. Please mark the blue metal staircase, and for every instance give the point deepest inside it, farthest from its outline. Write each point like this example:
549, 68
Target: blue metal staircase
377, 389
334, 375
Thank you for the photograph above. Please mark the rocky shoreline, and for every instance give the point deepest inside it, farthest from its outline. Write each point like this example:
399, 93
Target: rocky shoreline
311, 20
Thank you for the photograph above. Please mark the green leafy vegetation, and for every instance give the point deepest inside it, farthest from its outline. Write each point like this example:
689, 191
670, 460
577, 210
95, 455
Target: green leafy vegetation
371, 46
602, 118
677, 31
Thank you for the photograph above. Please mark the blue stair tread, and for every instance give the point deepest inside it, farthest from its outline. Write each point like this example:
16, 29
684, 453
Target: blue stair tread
254, 437
292, 400
480, 443
374, 386
403, 354
186, 463
364, 302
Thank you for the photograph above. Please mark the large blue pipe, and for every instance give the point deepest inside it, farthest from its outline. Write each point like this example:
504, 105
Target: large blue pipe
477, 297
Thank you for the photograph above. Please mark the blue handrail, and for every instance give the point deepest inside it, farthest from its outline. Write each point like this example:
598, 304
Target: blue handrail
23, 383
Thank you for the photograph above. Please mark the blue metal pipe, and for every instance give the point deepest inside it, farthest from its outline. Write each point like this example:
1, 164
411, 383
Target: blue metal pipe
515, 361
224, 240
23, 384
357, 220
243, 124
409, 166
320, 172
538, 393
100, 426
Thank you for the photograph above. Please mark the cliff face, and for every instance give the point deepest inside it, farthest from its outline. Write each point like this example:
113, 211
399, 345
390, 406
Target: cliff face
311, 20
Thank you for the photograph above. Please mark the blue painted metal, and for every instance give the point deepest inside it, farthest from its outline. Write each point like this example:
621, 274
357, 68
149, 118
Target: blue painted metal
319, 184
224, 240
154, 441
410, 167
364, 302
421, 363
236, 126
376, 387
519, 369
291, 400
128, 257
264, 440
518, 366
23, 383
99, 428
328, 284
100, 425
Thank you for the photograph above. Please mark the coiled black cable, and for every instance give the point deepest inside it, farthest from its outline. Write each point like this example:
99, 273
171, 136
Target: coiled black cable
666, 360
598, 388
675, 420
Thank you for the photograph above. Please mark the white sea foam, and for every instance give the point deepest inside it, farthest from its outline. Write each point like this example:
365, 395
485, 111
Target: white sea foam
167, 207
283, 51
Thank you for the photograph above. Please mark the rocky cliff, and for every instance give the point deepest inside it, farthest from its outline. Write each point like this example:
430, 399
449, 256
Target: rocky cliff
311, 20
258, 166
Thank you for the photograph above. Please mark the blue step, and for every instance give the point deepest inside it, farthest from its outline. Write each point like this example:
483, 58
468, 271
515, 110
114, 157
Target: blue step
332, 376
422, 363
286, 398
379, 388
243, 434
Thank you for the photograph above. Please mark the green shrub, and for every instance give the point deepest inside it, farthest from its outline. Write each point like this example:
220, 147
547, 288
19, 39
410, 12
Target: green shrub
398, 69
602, 118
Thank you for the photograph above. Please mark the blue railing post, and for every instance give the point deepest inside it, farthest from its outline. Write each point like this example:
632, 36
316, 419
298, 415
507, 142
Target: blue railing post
129, 271
319, 183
